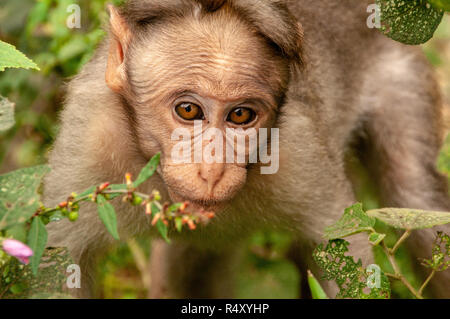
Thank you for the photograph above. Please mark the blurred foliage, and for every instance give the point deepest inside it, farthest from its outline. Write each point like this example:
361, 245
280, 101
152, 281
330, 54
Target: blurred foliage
38, 28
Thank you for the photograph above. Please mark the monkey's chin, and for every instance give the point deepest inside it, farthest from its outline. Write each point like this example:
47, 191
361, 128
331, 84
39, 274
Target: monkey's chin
209, 205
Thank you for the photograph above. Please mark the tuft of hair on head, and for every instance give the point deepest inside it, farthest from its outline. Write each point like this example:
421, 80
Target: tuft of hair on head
271, 18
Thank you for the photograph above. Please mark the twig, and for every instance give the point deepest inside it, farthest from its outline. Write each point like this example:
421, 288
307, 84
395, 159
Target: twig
405, 236
427, 281
141, 262
393, 276
397, 272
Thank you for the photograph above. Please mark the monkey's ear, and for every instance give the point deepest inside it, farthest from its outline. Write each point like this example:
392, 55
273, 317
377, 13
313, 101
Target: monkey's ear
120, 36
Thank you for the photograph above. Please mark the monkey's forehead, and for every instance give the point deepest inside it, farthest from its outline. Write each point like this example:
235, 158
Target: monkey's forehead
221, 57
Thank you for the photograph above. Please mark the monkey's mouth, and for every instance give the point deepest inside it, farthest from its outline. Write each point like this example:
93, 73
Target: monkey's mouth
204, 204
208, 205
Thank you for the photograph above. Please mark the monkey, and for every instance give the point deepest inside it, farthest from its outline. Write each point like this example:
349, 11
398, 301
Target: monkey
310, 68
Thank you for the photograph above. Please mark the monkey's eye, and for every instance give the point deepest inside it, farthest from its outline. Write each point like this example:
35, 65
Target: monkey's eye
241, 116
189, 111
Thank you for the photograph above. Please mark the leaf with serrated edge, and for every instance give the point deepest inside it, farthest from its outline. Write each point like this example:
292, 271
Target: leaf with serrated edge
37, 240
108, 216
148, 170
410, 22
10, 57
349, 275
406, 218
51, 278
440, 260
19, 198
354, 221
376, 238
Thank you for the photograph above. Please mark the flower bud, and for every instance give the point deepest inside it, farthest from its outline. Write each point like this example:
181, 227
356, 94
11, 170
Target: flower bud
183, 207
128, 179
63, 205
148, 209
191, 224
156, 218
102, 187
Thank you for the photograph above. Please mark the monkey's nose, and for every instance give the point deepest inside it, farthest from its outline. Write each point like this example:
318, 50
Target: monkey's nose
211, 174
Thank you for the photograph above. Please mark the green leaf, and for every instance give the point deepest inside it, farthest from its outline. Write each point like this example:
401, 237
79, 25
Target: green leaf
37, 240
406, 218
51, 278
10, 57
349, 275
160, 226
440, 260
409, 22
116, 187
376, 238
108, 216
19, 198
441, 4
76, 46
18, 232
6, 114
315, 287
148, 170
87, 192
179, 224
354, 221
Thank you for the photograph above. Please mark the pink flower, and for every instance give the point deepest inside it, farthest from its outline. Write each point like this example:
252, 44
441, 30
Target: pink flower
17, 249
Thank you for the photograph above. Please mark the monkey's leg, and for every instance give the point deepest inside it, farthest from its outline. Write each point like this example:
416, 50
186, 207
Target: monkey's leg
184, 271
404, 140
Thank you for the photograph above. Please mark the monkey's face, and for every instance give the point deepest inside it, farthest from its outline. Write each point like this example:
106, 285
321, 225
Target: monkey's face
195, 82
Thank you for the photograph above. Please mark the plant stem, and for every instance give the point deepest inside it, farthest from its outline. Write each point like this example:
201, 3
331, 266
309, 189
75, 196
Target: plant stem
125, 191
405, 235
141, 263
427, 281
393, 276
389, 253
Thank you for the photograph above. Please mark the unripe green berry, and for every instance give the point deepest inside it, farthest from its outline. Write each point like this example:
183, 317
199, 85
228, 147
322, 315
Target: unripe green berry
73, 216
137, 200
156, 195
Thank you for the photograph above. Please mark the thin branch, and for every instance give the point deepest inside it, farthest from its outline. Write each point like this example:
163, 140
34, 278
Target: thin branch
141, 262
405, 236
427, 281
397, 272
393, 276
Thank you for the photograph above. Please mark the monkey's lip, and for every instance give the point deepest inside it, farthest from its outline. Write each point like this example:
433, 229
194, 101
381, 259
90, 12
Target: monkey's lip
207, 204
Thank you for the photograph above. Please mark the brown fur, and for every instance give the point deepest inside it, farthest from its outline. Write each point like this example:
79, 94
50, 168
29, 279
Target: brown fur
354, 82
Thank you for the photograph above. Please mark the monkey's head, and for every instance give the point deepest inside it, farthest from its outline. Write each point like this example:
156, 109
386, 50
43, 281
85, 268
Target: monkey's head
222, 64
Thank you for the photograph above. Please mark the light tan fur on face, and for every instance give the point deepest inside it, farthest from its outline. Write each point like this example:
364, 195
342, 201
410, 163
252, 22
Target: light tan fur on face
199, 55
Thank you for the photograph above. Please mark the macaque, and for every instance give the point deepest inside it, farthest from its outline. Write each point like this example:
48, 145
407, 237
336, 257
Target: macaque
310, 68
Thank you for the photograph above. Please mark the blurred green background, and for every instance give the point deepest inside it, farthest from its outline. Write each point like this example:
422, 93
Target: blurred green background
38, 28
